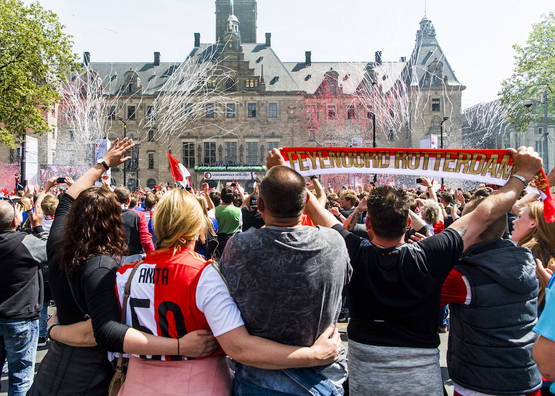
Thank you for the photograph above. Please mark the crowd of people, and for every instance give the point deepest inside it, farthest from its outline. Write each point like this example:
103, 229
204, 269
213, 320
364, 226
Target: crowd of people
203, 292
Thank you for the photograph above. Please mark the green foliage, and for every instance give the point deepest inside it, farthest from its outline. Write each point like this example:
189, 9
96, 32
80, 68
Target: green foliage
534, 74
35, 57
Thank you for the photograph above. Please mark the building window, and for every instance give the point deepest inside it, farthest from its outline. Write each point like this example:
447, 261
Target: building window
251, 110
436, 104
71, 136
230, 153
539, 131
311, 113
230, 110
209, 110
273, 145
150, 160
272, 110
189, 155
188, 109
131, 112
112, 113
253, 153
351, 115
150, 136
150, 113
251, 83
332, 112
210, 153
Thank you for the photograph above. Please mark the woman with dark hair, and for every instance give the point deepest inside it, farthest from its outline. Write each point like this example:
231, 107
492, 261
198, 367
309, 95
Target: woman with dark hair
84, 239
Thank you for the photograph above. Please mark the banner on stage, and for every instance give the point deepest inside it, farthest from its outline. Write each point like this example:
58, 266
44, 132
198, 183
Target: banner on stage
482, 166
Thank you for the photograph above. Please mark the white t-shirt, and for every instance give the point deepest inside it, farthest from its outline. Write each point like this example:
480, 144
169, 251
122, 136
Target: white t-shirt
213, 299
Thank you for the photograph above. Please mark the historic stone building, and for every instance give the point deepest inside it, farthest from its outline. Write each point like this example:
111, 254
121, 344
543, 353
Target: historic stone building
269, 103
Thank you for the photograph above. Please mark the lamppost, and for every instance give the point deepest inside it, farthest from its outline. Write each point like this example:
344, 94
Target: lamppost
374, 138
441, 140
543, 101
125, 164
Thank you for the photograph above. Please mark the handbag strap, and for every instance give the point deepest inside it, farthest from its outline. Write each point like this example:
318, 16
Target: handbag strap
127, 291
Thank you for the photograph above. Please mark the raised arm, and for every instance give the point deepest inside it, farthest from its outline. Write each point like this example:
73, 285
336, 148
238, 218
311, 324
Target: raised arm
417, 222
351, 221
113, 157
428, 184
526, 164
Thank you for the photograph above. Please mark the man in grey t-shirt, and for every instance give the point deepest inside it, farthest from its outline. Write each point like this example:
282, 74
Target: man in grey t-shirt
287, 279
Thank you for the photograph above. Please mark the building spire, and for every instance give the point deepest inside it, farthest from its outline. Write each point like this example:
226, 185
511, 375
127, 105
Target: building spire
232, 7
425, 8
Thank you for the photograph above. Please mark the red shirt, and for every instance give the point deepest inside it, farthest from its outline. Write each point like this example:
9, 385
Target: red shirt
163, 295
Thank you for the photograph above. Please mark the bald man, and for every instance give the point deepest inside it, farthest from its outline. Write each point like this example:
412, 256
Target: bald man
21, 294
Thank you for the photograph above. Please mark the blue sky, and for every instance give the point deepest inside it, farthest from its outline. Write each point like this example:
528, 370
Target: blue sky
476, 35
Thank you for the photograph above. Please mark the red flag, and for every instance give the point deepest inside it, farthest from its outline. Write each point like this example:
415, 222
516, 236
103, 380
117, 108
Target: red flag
179, 173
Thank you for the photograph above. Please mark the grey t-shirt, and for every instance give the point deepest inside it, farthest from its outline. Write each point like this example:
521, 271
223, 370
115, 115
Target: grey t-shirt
287, 282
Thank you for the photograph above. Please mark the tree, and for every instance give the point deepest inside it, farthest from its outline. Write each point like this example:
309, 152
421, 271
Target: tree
533, 76
35, 57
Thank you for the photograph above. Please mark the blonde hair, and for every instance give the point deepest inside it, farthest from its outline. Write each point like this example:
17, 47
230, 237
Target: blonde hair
26, 204
431, 212
178, 217
49, 204
541, 239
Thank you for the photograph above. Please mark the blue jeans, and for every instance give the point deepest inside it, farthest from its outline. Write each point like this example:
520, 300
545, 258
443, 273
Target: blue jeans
250, 381
19, 340
43, 320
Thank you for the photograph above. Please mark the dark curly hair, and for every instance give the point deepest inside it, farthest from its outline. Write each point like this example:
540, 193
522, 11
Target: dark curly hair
93, 227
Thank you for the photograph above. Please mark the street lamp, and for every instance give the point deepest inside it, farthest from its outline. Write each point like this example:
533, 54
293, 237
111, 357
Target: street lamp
124, 165
374, 138
441, 140
529, 103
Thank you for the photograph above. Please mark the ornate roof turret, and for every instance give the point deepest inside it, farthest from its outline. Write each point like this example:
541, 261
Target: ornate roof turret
427, 31
428, 67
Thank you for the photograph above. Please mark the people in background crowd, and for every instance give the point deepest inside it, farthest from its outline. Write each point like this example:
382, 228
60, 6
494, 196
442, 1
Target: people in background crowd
21, 294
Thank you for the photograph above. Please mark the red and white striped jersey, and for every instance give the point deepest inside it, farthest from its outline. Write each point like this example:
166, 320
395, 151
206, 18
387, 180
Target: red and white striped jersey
162, 299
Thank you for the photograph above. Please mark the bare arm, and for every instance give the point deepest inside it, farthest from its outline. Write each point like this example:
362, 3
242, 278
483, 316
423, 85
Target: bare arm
544, 351
267, 354
319, 215
194, 344
417, 222
528, 163
319, 192
79, 334
351, 221
113, 157
426, 183
522, 202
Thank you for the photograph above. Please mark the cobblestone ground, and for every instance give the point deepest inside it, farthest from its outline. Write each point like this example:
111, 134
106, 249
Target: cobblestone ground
342, 329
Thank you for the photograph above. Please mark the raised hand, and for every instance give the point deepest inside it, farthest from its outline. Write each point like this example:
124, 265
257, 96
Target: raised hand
115, 155
274, 159
527, 162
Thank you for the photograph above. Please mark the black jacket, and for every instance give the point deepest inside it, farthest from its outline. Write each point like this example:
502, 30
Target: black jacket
490, 342
130, 221
21, 283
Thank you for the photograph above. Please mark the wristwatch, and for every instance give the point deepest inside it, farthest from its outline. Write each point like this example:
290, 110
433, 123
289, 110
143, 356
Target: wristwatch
103, 163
